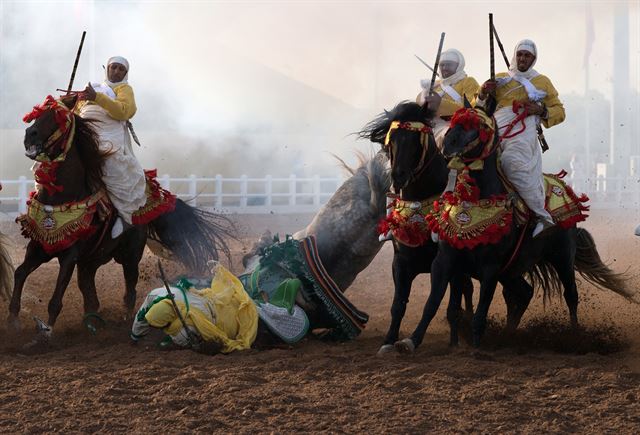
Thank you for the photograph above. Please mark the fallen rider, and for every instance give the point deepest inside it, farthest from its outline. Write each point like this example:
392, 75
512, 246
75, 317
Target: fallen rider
281, 296
221, 317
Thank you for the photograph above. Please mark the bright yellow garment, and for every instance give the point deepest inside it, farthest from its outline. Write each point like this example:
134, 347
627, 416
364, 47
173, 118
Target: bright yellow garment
123, 107
236, 317
514, 91
448, 106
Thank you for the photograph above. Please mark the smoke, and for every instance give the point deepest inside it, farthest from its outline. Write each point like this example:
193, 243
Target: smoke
274, 87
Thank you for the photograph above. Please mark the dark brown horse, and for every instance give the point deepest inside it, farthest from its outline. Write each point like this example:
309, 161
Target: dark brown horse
193, 236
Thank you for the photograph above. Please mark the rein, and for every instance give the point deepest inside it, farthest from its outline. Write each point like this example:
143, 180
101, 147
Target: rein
518, 119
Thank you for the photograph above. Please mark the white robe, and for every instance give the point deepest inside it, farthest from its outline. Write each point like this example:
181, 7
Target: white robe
521, 161
122, 173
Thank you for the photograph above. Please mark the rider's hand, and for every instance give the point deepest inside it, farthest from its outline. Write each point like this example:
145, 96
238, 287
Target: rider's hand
487, 88
89, 93
432, 102
533, 108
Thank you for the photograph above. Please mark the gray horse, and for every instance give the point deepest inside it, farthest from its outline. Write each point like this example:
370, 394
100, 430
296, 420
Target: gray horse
345, 228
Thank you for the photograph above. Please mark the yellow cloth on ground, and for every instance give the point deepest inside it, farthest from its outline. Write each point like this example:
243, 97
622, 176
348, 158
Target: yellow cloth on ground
236, 317
514, 91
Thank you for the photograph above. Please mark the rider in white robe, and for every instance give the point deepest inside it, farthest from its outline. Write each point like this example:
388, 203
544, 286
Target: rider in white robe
112, 103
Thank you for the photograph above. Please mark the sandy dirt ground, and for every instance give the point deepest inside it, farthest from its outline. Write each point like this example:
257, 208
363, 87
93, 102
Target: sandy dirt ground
545, 379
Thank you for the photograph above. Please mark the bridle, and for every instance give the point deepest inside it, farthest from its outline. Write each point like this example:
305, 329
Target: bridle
425, 132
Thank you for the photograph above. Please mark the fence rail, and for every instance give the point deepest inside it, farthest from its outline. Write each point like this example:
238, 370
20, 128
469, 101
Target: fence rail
249, 195
244, 195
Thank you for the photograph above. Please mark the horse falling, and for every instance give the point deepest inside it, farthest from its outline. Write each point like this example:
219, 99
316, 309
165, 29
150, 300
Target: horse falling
70, 180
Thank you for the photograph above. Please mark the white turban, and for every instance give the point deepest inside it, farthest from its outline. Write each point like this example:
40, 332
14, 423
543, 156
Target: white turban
524, 45
122, 61
450, 55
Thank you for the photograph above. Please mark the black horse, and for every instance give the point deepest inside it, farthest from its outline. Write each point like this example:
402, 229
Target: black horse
193, 236
419, 175
553, 257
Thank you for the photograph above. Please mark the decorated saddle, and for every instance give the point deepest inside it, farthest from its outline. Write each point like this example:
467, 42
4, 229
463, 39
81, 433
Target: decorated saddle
293, 268
57, 227
465, 221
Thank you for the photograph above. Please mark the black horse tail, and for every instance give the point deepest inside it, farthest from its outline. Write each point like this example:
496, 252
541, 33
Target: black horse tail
6, 269
193, 236
591, 267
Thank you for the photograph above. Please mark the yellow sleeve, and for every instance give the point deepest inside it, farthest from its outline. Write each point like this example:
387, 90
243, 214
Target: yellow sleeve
470, 88
555, 109
448, 107
123, 107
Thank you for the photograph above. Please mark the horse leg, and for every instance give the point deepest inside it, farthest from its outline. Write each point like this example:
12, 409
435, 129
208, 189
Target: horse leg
403, 276
563, 261
517, 293
487, 289
441, 272
129, 256
67, 263
454, 310
131, 273
467, 292
33, 258
87, 285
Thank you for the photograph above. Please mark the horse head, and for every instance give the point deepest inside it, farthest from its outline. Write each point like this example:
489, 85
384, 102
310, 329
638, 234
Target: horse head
51, 134
405, 135
471, 135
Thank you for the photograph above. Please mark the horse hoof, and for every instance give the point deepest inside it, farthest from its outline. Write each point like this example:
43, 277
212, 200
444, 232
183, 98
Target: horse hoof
40, 341
405, 346
93, 322
14, 324
385, 349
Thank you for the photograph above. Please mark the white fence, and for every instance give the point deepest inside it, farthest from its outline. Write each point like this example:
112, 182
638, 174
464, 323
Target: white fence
293, 194
228, 195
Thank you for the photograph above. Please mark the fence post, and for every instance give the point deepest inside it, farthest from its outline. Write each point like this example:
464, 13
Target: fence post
192, 190
22, 194
268, 191
243, 191
218, 191
316, 191
292, 190
165, 182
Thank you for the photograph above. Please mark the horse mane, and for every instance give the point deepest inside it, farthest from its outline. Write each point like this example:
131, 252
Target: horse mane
87, 142
377, 129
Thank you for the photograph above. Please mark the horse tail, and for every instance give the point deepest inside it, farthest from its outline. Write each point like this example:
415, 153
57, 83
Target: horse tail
591, 268
193, 236
6, 269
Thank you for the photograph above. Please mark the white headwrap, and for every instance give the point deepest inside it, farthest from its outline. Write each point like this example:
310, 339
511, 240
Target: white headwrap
453, 55
524, 45
524, 77
450, 55
122, 61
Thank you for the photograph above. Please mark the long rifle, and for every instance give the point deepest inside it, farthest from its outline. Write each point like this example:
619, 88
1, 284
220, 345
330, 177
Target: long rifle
191, 337
436, 64
75, 64
492, 61
541, 139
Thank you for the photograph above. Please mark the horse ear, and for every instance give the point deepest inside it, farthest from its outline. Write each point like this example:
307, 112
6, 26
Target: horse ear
69, 100
467, 104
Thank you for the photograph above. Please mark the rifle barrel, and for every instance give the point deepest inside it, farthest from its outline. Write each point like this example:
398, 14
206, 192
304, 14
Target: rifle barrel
436, 64
75, 64
491, 50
